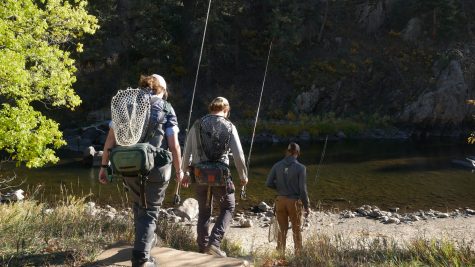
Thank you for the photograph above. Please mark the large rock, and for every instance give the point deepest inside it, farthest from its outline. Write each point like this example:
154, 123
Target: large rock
91, 157
373, 14
245, 223
306, 102
263, 206
413, 30
16, 195
443, 106
81, 138
188, 210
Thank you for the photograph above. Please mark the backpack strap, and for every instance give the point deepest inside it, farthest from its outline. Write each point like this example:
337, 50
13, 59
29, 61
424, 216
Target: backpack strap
197, 127
156, 125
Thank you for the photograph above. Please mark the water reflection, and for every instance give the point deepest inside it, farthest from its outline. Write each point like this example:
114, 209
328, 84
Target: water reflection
400, 174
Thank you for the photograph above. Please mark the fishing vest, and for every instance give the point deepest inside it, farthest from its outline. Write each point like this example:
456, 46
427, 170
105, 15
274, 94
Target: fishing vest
214, 135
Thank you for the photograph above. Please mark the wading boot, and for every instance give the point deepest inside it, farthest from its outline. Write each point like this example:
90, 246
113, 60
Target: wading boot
139, 260
214, 250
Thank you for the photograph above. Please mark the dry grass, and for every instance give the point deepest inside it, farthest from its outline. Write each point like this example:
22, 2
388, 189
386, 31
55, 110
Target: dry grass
322, 250
69, 235
30, 234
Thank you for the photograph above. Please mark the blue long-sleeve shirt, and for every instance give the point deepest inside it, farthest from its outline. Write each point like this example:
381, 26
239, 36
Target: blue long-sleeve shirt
289, 178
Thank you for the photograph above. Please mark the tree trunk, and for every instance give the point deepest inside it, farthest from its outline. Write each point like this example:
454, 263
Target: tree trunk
434, 24
320, 34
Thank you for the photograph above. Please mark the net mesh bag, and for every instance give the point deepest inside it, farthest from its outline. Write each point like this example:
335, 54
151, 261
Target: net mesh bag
273, 234
130, 111
215, 134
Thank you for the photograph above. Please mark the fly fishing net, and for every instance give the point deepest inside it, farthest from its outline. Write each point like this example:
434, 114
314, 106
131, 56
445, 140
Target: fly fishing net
273, 230
130, 111
215, 134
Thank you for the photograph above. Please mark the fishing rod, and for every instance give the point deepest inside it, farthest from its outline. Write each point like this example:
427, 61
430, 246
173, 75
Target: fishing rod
176, 199
243, 188
322, 156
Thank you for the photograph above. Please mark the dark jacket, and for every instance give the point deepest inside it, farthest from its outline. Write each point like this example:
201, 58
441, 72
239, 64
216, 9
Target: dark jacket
289, 178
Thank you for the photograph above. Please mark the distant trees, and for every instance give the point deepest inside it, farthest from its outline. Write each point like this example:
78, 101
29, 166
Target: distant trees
443, 16
37, 72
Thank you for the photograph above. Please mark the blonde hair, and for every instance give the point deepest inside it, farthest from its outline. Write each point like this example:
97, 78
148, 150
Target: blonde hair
156, 83
219, 104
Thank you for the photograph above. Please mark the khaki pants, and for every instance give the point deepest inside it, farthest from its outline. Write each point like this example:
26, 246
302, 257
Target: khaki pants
285, 209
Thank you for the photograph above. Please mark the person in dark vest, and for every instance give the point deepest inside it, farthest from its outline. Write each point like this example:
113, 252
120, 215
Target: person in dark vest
209, 142
163, 118
289, 178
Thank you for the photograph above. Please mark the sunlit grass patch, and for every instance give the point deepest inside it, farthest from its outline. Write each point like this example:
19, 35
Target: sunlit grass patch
323, 250
30, 228
176, 236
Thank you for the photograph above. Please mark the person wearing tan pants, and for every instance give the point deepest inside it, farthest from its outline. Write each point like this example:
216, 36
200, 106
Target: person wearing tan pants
285, 209
289, 178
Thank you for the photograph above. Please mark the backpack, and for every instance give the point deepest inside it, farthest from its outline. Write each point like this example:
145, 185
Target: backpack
210, 172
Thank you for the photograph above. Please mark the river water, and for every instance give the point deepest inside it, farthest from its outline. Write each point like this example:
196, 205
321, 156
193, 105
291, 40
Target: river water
404, 174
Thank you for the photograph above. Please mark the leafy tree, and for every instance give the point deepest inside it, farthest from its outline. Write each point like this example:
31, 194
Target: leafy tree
36, 69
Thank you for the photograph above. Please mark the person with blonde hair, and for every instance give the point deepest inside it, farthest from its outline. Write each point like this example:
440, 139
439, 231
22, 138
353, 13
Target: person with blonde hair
289, 178
207, 149
162, 132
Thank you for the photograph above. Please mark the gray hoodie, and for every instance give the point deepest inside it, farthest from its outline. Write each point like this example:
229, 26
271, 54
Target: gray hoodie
289, 178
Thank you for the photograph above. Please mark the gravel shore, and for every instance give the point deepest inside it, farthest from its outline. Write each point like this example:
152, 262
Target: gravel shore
460, 229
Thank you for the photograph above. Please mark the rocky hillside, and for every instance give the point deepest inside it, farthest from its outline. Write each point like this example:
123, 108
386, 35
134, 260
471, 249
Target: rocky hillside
411, 62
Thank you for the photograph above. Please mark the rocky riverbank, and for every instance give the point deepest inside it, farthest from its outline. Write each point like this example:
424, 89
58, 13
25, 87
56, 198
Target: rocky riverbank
90, 140
250, 228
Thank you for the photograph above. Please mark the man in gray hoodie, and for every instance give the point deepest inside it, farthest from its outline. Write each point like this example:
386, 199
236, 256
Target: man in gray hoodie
289, 178
210, 140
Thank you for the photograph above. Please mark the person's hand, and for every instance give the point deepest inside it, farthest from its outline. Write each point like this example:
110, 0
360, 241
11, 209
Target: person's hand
244, 182
103, 176
179, 176
185, 182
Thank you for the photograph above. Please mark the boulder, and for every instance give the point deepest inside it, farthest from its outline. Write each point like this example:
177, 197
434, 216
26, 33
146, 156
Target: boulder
445, 105
306, 102
348, 214
16, 195
442, 215
263, 206
373, 14
188, 210
245, 223
413, 30
393, 220
395, 209
91, 157
470, 211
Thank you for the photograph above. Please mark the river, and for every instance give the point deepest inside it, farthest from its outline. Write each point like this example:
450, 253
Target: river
386, 173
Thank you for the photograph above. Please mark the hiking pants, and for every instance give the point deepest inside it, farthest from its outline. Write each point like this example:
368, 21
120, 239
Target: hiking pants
285, 209
145, 219
227, 205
